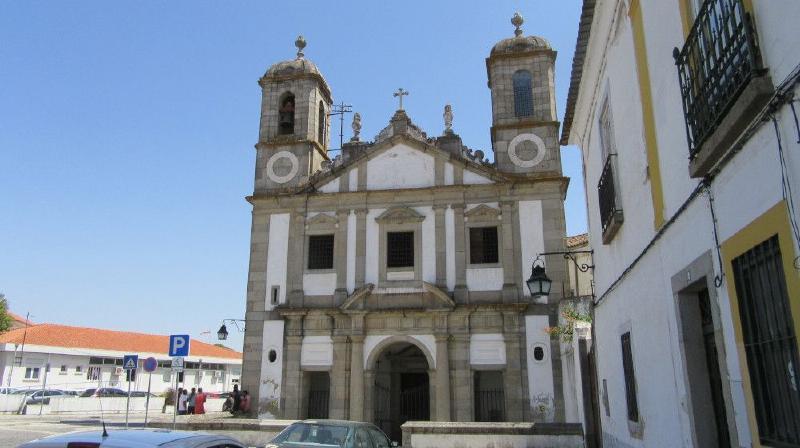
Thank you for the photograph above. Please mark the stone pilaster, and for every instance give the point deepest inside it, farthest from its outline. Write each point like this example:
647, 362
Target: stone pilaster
357, 378
340, 258
507, 254
340, 376
292, 374
441, 248
462, 396
460, 292
513, 375
361, 244
256, 306
442, 378
294, 275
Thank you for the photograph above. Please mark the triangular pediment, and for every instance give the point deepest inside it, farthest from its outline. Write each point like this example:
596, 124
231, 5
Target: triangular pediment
322, 220
400, 215
482, 211
370, 298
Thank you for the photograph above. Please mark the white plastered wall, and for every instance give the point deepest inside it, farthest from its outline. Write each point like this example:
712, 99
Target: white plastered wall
271, 371
319, 284
373, 241
351, 252
531, 237
540, 373
450, 248
316, 352
487, 349
428, 244
277, 251
400, 167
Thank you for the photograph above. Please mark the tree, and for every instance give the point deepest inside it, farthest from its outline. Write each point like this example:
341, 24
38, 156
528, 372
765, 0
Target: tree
5, 318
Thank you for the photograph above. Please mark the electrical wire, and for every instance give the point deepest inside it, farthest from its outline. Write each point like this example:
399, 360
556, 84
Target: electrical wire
794, 114
788, 197
707, 187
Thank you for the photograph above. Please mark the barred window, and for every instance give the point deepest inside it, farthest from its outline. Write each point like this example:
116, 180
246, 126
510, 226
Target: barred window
321, 124
630, 378
483, 245
770, 342
523, 94
320, 252
399, 249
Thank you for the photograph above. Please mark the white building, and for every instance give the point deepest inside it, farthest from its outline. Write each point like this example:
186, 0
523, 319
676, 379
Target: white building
698, 290
82, 358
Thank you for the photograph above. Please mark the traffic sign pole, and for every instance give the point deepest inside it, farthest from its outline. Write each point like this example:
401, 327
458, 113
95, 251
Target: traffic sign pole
147, 402
175, 408
128, 403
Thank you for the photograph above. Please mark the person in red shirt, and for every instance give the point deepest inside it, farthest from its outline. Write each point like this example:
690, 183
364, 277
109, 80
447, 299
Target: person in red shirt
200, 402
244, 406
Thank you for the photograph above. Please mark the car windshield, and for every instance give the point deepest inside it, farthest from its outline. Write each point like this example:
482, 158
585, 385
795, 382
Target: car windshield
315, 434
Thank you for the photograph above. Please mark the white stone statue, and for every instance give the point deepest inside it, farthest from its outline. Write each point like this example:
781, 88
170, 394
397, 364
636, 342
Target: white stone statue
448, 119
356, 127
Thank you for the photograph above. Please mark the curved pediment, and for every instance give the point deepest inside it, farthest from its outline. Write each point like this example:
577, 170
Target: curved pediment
400, 215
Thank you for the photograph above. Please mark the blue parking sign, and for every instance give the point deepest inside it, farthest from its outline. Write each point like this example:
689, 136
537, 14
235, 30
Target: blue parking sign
179, 345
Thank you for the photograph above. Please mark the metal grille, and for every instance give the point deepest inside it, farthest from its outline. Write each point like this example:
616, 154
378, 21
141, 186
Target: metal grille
318, 403
321, 124
383, 418
770, 343
415, 403
320, 252
523, 94
400, 249
489, 405
607, 193
483, 245
717, 61
630, 378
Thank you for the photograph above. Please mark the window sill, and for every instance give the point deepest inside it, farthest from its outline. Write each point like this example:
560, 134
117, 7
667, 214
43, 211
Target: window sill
319, 271
750, 102
484, 265
613, 226
636, 429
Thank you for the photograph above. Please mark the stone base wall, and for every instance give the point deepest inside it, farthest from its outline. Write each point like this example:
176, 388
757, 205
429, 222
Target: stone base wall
473, 434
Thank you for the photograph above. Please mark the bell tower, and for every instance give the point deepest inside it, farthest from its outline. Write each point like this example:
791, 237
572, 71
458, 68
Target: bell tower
524, 121
293, 134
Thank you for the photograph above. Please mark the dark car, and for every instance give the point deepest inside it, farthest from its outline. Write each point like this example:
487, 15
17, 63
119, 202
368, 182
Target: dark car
135, 438
104, 392
331, 434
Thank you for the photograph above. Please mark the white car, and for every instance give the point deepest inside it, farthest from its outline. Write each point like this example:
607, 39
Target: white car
136, 438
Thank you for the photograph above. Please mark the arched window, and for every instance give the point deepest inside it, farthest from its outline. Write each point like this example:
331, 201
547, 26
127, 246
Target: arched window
321, 124
286, 115
523, 94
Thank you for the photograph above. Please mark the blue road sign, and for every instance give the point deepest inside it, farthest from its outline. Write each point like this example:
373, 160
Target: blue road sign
150, 364
129, 362
179, 345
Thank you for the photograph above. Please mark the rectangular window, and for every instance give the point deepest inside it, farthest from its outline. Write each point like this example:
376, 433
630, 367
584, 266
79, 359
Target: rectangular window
770, 342
31, 373
630, 378
399, 249
63, 369
94, 360
93, 373
483, 245
320, 252
607, 142
78, 369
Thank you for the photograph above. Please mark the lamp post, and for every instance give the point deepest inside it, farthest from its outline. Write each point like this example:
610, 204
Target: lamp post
222, 333
539, 283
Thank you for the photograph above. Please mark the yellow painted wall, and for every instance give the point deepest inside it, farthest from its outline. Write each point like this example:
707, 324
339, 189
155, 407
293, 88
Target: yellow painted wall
648, 116
775, 221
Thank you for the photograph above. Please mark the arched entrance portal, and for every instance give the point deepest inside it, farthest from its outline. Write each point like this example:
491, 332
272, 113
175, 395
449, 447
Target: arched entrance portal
401, 389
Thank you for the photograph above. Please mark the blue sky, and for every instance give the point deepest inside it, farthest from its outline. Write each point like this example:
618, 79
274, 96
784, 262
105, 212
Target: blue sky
127, 133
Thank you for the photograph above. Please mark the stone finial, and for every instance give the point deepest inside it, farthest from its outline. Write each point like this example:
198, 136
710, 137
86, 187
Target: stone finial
448, 119
300, 43
356, 127
517, 21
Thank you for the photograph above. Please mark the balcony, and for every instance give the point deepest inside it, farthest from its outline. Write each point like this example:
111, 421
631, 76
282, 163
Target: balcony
610, 210
723, 85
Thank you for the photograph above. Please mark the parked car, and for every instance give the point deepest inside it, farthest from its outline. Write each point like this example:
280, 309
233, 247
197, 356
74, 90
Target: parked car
104, 392
136, 438
40, 397
330, 433
139, 393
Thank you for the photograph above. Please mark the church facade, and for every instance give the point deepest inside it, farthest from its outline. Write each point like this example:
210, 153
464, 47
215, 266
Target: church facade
388, 284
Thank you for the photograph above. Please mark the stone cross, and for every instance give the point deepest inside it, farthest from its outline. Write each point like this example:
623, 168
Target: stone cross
401, 93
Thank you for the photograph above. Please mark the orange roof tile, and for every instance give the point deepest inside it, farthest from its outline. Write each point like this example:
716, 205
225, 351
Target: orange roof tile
17, 318
54, 335
577, 240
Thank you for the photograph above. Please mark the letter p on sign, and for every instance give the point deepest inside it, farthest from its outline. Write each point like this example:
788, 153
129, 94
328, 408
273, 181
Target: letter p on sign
179, 345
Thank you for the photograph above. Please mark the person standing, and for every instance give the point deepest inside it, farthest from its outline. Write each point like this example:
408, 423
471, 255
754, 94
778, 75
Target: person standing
237, 399
191, 402
183, 398
200, 402
244, 407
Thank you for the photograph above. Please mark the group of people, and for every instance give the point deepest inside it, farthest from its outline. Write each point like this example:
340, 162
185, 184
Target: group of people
237, 403
191, 403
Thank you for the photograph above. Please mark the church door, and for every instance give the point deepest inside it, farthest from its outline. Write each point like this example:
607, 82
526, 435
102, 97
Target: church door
401, 391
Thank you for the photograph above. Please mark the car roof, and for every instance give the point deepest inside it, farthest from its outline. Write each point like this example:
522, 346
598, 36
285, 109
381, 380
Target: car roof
335, 422
130, 438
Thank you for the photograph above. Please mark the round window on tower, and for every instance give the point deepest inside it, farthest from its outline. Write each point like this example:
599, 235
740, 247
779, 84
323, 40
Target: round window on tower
272, 355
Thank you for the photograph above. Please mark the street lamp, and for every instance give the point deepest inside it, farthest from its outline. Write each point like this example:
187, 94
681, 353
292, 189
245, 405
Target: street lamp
539, 283
222, 333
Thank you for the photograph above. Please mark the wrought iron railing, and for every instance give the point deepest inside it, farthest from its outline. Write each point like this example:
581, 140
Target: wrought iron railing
607, 194
715, 65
